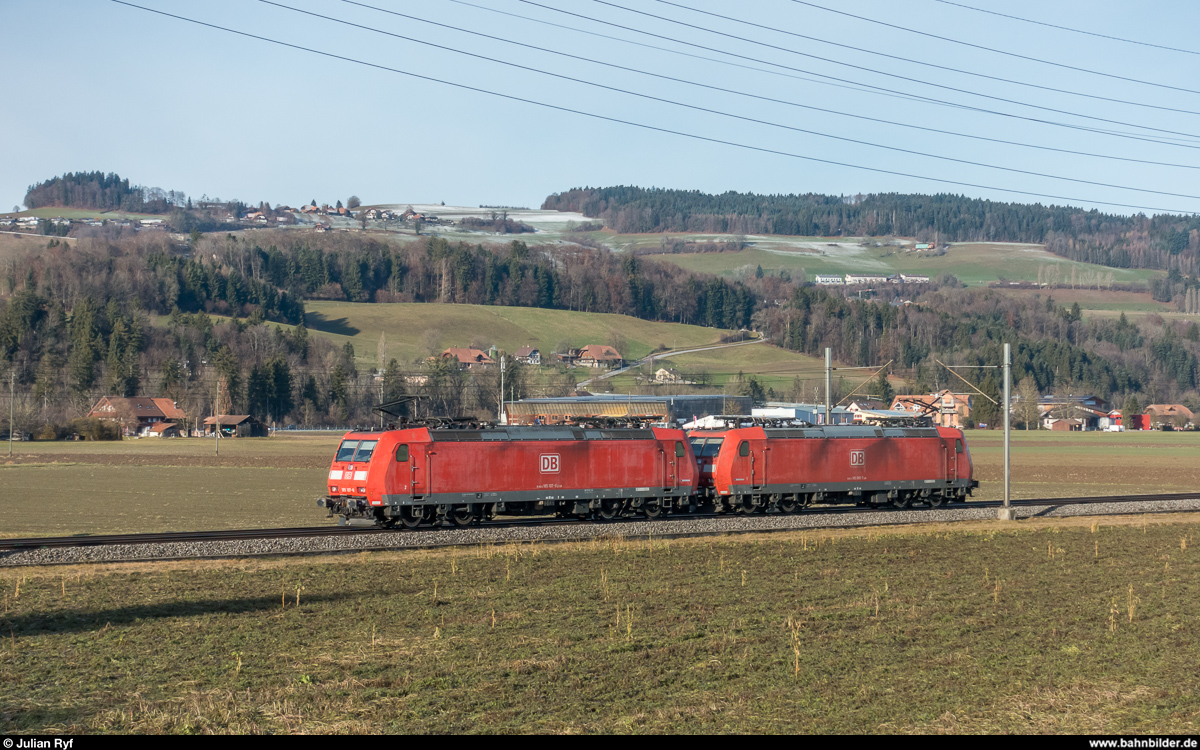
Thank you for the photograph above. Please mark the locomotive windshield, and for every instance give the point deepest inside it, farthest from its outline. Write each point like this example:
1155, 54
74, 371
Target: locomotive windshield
346, 450
706, 446
365, 449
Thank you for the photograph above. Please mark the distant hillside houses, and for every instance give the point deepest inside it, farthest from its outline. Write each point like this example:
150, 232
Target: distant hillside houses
852, 279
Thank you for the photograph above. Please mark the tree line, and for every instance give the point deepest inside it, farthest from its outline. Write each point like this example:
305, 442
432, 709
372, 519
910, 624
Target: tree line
1163, 241
103, 192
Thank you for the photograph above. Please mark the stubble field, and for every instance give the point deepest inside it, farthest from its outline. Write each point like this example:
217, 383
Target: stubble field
179, 485
1043, 626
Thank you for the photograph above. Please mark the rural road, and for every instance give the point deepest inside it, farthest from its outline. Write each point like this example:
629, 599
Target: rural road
641, 362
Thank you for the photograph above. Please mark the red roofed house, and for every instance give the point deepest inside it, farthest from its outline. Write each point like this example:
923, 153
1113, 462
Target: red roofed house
138, 416
469, 359
1176, 415
599, 355
947, 409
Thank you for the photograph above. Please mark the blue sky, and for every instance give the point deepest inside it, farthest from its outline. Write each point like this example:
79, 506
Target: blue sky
97, 85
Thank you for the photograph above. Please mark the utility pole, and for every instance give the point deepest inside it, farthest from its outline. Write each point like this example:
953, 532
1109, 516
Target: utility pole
500, 415
12, 400
828, 382
217, 419
1006, 513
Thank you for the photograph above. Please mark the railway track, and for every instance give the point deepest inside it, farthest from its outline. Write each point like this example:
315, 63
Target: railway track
109, 540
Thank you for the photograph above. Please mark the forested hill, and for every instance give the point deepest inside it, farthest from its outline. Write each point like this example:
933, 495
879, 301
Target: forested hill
1165, 241
103, 192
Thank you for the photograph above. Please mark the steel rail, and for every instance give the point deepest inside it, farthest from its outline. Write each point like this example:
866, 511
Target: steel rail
84, 540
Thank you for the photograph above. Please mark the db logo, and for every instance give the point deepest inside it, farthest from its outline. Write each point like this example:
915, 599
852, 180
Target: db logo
858, 458
549, 463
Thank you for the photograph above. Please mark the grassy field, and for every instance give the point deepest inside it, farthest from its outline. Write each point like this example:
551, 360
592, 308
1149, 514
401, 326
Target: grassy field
774, 367
159, 485
1083, 464
80, 213
405, 326
973, 263
179, 485
1064, 626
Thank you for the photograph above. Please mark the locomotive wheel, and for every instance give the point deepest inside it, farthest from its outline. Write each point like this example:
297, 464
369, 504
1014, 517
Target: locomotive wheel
653, 508
411, 517
610, 510
902, 500
787, 505
462, 516
935, 500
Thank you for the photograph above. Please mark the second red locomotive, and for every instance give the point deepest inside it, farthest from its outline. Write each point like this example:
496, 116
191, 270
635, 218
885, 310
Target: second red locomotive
760, 468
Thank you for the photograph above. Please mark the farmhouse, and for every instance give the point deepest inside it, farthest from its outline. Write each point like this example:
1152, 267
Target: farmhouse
669, 375
1176, 415
469, 359
599, 355
947, 409
137, 415
529, 355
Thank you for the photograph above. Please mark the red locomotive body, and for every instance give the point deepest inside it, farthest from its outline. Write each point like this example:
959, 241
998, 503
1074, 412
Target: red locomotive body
421, 475
756, 468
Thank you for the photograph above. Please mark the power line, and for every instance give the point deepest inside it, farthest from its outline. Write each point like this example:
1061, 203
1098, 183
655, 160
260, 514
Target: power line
654, 128
1073, 30
916, 61
749, 95
997, 51
679, 52
1162, 140
709, 110
885, 73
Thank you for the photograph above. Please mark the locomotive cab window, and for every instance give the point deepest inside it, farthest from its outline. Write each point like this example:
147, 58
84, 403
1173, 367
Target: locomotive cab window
401, 454
744, 449
365, 449
958, 446
679, 449
346, 450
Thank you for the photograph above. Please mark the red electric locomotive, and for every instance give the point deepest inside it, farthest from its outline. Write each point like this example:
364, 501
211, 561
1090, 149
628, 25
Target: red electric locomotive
758, 468
425, 475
